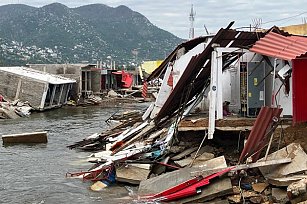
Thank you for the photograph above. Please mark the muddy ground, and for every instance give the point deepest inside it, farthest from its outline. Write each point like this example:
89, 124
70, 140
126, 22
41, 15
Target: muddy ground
297, 134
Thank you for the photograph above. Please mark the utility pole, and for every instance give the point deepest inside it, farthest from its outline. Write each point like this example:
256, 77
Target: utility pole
192, 18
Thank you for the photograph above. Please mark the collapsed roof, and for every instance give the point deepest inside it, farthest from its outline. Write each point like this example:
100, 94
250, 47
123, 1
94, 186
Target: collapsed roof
197, 72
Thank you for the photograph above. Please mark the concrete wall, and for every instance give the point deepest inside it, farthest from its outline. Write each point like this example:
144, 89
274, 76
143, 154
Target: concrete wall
96, 81
70, 71
58, 69
300, 29
23, 88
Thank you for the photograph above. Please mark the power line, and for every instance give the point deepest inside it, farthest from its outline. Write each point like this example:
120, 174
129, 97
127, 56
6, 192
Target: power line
290, 17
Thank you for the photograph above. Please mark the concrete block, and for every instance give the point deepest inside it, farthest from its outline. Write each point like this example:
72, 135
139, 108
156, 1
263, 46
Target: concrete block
33, 137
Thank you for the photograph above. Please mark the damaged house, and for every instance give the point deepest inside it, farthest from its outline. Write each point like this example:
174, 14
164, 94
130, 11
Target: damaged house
91, 79
43, 91
249, 80
247, 69
87, 76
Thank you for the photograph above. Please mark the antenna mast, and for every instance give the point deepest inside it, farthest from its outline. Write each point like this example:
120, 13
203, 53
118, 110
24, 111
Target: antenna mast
192, 18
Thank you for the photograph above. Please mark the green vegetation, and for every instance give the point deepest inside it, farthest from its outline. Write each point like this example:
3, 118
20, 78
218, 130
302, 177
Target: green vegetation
58, 34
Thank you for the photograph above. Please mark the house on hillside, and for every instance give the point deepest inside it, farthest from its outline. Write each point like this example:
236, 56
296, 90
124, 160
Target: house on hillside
43, 91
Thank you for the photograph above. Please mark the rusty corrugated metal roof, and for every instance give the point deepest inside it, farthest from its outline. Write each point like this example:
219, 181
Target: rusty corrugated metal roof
279, 46
262, 129
197, 74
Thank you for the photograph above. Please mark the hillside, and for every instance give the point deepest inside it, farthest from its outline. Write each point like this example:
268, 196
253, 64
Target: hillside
57, 34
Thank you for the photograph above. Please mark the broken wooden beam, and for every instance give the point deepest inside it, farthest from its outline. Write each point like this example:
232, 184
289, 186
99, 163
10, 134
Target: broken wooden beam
146, 130
184, 153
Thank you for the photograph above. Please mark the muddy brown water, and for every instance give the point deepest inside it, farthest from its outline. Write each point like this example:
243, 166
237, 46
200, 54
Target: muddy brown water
36, 173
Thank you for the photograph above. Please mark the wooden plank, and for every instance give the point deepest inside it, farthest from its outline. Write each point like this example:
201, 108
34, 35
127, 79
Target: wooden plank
184, 153
243, 128
155, 135
260, 187
141, 166
148, 129
184, 129
285, 181
263, 164
247, 166
33, 137
198, 161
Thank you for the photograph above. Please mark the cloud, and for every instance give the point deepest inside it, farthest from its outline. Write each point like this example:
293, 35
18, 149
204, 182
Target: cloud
173, 15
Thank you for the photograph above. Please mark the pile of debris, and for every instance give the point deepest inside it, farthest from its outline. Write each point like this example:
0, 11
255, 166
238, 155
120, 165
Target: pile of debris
173, 160
14, 109
111, 98
189, 169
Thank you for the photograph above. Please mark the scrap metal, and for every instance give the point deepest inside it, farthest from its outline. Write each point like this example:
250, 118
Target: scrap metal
257, 138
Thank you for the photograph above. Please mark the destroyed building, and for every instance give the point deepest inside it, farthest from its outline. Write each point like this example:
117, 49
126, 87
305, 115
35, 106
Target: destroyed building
43, 91
251, 81
86, 75
91, 79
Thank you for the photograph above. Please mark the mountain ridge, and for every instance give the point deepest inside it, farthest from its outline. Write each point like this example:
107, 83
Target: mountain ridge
55, 33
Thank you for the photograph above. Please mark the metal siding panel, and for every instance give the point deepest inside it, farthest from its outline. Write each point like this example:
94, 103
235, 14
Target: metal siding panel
299, 73
255, 75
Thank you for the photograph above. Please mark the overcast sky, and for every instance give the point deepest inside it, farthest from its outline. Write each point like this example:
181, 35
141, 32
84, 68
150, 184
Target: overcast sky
173, 15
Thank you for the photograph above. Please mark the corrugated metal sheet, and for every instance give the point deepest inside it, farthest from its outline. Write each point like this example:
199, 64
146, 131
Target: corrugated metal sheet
257, 138
299, 73
198, 74
188, 45
279, 46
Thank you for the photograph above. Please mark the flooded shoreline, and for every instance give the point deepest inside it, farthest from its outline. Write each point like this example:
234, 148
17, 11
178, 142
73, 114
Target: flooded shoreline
36, 173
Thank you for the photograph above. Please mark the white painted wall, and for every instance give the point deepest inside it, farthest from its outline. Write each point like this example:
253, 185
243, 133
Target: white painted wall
176, 69
283, 99
163, 94
183, 61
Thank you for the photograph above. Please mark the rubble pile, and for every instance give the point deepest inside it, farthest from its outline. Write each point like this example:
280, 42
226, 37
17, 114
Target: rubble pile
185, 169
219, 156
14, 109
